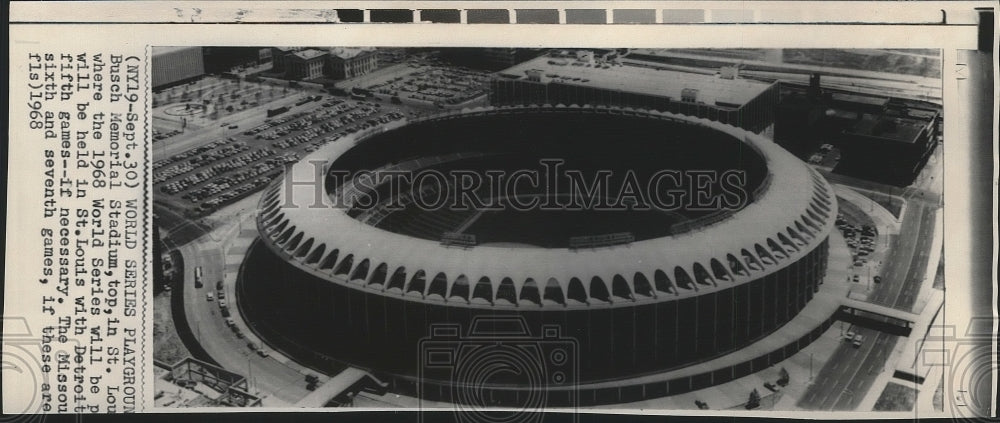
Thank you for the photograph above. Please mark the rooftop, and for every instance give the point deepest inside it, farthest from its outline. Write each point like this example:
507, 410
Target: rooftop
349, 52
309, 54
635, 76
893, 128
166, 50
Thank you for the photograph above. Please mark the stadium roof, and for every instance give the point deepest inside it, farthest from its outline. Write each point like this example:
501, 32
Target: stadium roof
796, 211
633, 77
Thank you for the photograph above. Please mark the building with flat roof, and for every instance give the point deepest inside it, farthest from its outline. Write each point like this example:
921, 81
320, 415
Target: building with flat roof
587, 78
881, 138
173, 65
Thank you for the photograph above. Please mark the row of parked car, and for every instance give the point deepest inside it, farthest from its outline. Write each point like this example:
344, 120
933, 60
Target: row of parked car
860, 239
199, 177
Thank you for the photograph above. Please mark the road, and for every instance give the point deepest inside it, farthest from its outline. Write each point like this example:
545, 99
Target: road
906, 265
843, 382
848, 375
264, 374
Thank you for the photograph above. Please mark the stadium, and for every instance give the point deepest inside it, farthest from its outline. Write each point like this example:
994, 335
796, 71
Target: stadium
637, 292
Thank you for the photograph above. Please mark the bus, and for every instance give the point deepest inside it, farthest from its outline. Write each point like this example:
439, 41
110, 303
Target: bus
197, 277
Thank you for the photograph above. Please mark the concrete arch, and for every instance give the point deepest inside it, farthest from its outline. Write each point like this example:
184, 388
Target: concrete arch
360, 273
529, 293
787, 242
294, 242
345, 265
329, 261
796, 236
663, 283
304, 248
284, 236
764, 255
620, 288
752, 261
576, 291
459, 289
275, 230
683, 279
599, 290
506, 291
417, 283
810, 223
439, 285
719, 271
316, 254
701, 275
776, 250
814, 206
816, 218
736, 267
803, 230
398, 280
268, 216
483, 290
554, 292
377, 278
642, 286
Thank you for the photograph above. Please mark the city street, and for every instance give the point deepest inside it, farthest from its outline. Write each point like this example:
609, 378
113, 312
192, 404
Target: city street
284, 382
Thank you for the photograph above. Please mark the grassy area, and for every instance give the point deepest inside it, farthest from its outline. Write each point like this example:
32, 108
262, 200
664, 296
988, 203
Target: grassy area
896, 397
167, 345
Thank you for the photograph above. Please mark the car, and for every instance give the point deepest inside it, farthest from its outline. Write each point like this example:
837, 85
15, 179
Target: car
855, 278
209, 297
222, 294
849, 336
238, 332
222, 303
230, 322
262, 353
877, 279
252, 346
858, 340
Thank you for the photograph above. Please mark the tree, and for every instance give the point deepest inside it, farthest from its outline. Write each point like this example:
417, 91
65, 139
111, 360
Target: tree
783, 377
754, 400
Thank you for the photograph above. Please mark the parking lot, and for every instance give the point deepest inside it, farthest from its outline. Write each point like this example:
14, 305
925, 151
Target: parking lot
207, 102
421, 82
229, 167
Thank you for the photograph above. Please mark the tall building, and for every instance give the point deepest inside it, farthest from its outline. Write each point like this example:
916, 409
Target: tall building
173, 65
223, 59
585, 78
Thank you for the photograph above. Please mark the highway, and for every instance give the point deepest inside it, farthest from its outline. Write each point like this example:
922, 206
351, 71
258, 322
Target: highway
265, 374
848, 375
843, 382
